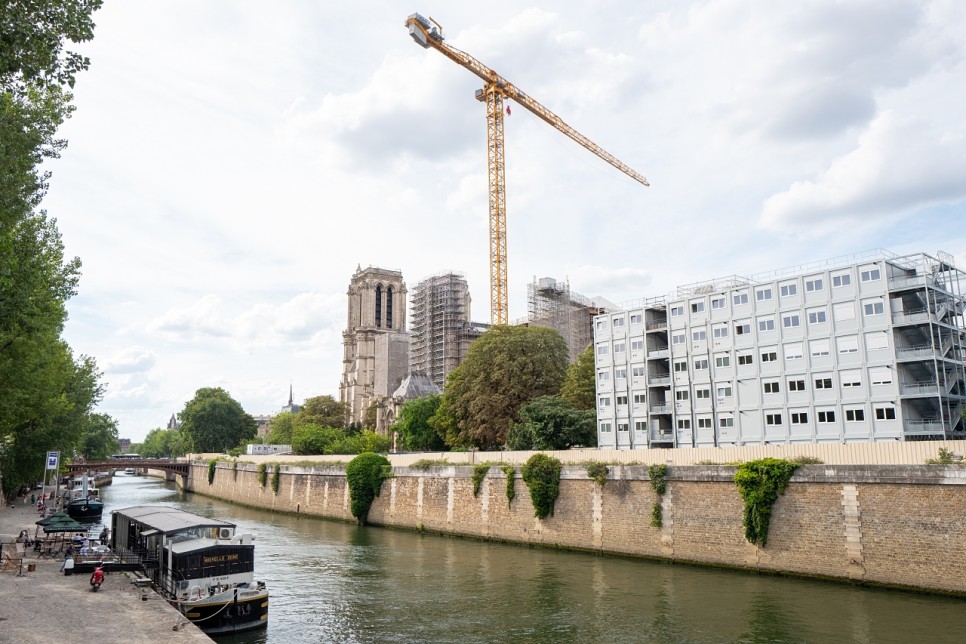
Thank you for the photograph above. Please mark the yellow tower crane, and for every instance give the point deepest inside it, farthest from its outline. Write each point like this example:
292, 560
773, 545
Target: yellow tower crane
428, 33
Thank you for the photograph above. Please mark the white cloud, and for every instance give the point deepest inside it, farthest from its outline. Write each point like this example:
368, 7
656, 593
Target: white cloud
134, 359
898, 167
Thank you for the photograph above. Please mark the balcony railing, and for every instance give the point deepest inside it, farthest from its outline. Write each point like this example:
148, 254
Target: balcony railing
658, 380
661, 436
656, 325
906, 282
912, 353
661, 408
924, 426
920, 388
912, 317
658, 353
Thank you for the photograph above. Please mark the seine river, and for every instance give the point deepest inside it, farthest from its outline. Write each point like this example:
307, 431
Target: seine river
336, 582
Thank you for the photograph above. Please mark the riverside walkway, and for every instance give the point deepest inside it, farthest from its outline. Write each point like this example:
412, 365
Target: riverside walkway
44, 605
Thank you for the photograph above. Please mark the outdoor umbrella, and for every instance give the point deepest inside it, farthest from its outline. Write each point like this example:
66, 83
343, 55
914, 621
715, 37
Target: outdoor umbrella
63, 524
56, 516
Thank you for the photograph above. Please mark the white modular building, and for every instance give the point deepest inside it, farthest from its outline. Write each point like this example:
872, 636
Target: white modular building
864, 348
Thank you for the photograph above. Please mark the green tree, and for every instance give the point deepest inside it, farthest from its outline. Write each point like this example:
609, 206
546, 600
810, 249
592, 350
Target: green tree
550, 422
314, 439
505, 368
413, 426
280, 430
162, 443
213, 421
34, 31
579, 387
100, 437
325, 411
46, 395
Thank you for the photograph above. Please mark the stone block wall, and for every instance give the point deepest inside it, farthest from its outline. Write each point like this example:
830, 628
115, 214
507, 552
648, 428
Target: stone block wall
900, 525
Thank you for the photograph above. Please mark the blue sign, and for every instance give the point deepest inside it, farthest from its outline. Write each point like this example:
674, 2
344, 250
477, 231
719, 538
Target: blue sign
52, 458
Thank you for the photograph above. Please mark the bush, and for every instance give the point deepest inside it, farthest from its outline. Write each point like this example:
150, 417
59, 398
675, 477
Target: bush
426, 463
541, 473
364, 475
759, 483
946, 457
657, 519
262, 474
212, 465
806, 460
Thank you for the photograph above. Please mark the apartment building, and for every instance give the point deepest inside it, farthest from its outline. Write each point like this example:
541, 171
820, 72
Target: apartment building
864, 348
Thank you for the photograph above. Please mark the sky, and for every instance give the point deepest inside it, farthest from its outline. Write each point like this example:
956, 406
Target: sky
231, 163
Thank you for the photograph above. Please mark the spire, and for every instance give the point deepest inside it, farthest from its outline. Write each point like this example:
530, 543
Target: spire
290, 394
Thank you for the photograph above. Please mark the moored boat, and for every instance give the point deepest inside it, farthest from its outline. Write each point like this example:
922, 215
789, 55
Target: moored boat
83, 503
198, 564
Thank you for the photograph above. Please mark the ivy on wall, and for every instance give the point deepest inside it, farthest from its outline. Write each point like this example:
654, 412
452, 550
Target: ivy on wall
542, 475
511, 492
479, 473
365, 474
262, 474
759, 483
212, 464
276, 474
658, 476
598, 472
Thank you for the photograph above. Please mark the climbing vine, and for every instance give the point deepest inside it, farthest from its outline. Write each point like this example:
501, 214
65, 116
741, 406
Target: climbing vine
511, 492
276, 474
759, 483
658, 475
212, 464
541, 473
598, 472
262, 474
479, 473
365, 474
234, 469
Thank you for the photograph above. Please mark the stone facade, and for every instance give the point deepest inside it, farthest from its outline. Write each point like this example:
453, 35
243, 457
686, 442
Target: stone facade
882, 525
375, 342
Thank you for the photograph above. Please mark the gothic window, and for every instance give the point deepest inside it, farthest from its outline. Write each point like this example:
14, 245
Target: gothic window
379, 306
389, 308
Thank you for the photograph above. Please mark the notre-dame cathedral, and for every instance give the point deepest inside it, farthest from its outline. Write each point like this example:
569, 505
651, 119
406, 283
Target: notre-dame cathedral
376, 346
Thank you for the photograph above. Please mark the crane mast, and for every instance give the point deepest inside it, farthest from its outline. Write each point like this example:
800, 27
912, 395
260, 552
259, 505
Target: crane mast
429, 34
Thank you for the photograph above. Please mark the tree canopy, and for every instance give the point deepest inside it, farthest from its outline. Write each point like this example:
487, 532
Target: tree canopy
325, 411
46, 393
280, 429
504, 368
413, 425
213, 421
579, 387
163, 443
550, 422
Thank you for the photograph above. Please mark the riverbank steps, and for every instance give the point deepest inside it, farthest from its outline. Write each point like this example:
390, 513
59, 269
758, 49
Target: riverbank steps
44, 605
901, 526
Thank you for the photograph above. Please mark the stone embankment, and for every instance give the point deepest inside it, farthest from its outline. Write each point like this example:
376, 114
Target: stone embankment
889, 525
43, 605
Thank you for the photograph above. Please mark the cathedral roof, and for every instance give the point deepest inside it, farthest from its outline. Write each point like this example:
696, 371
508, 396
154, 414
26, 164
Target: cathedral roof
416, 385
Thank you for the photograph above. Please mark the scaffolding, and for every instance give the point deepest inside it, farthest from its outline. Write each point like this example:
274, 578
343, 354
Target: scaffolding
440, 325
551, 303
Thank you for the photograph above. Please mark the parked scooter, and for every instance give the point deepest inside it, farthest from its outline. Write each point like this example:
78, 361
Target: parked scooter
97, 578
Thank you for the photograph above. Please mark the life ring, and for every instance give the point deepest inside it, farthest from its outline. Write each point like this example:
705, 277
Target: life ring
84, 509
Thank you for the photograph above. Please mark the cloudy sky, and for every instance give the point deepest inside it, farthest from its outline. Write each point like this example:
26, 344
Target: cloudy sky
231, 163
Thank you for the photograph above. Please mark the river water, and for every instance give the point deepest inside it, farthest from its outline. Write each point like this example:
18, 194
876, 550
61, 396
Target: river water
335, 582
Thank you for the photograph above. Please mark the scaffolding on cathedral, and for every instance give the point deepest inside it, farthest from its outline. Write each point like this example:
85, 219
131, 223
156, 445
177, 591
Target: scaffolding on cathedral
440, 326
551, 303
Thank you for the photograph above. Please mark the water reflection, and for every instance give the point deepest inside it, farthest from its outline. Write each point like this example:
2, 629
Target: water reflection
335, 582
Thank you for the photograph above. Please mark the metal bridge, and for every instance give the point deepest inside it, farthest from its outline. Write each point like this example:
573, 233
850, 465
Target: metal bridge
165, 465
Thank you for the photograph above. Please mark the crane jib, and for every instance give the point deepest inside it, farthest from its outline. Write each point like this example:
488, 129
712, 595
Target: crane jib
428, 33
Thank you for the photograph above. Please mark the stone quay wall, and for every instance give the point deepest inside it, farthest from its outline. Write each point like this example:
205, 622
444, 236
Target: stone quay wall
898, 525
